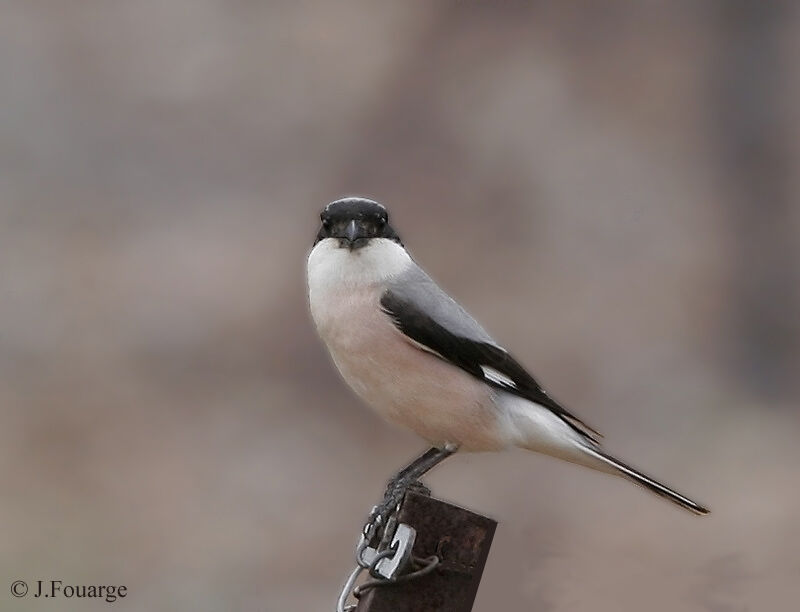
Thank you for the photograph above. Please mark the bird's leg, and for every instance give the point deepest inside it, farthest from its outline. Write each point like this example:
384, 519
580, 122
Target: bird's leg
409, 476
408, 479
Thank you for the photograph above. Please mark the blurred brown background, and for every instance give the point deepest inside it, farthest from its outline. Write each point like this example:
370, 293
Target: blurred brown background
610, 188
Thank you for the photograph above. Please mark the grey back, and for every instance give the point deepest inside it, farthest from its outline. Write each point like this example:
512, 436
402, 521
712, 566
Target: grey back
418, 289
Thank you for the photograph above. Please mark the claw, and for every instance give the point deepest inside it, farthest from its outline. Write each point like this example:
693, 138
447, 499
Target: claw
417, 487
380, 525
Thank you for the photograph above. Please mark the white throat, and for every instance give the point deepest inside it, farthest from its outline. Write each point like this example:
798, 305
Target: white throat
330, 265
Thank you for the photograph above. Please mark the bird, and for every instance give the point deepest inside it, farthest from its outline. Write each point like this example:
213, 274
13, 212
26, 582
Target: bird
421, 361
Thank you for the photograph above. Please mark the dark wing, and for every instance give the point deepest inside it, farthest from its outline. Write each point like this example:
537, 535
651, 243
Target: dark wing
432, 319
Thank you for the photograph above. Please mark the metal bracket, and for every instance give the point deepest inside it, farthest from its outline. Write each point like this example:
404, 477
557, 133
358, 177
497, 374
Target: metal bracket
402, 543
388, 566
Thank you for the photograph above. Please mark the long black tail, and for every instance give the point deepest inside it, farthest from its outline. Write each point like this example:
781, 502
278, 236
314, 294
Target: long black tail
648, 483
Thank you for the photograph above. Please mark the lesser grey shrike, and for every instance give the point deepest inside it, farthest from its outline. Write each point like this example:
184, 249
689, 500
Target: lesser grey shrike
414, 355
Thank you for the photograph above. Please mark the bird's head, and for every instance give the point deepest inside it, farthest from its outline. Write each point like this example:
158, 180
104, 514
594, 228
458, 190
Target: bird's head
355, 222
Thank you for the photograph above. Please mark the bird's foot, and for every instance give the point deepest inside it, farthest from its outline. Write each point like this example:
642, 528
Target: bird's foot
396, 490
382, 515
416, 486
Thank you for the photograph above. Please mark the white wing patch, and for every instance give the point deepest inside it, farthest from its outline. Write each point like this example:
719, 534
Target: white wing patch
497, 377
422, 347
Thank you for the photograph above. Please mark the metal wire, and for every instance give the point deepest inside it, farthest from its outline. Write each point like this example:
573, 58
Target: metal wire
426, 566
348, 587
430, 564
373, 567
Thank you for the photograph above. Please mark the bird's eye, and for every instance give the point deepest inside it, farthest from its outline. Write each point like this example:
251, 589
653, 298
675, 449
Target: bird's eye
326, 223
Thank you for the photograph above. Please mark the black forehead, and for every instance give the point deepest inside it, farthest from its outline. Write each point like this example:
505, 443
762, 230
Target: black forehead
354, 208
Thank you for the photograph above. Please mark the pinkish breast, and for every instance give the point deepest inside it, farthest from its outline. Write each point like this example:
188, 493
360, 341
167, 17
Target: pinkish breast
404, 384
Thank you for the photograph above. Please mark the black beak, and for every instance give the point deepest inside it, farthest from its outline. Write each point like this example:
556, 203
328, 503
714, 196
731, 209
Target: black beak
354, 236
351, 233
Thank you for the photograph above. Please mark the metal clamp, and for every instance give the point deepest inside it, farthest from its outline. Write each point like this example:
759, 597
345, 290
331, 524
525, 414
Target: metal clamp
402, 543
385, 566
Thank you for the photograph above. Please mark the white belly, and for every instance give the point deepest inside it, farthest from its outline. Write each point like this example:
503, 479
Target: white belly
404, 384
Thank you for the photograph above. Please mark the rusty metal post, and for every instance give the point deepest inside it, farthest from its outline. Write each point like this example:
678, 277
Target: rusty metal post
460, 538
